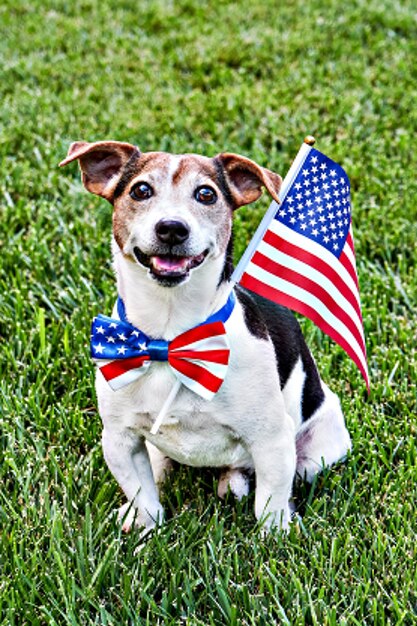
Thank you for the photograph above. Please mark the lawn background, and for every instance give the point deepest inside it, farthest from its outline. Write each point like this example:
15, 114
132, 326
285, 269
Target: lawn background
254, 78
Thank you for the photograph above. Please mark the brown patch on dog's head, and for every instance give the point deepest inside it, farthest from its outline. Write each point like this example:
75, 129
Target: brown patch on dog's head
245, 179
101, 164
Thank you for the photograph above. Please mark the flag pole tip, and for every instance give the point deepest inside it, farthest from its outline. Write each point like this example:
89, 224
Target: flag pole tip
309, 140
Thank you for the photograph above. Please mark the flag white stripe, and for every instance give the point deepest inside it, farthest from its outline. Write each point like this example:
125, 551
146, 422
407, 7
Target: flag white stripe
316, 276
350, 254
319, 251
309, 299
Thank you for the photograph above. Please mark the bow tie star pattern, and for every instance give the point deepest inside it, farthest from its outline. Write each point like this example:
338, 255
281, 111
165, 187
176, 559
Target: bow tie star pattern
198, 357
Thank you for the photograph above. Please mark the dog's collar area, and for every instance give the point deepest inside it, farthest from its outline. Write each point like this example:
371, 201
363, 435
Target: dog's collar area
198, 357
222, 315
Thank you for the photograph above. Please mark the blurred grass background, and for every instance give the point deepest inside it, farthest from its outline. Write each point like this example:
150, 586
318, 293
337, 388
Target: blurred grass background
199, 76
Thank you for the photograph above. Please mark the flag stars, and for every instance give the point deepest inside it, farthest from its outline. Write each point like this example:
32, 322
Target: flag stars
121, 350
99, 348
110, 339
100, 330
122, 337
318, 204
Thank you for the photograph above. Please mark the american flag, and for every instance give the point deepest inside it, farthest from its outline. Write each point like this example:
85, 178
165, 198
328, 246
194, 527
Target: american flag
306, 259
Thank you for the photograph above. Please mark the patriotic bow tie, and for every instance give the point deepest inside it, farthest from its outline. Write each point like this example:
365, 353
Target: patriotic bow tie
198, 357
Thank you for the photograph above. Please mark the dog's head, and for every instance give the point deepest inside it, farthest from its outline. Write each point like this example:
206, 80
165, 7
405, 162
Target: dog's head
171, 212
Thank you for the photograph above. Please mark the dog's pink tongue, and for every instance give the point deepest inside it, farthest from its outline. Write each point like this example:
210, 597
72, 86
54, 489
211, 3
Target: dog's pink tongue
169, 264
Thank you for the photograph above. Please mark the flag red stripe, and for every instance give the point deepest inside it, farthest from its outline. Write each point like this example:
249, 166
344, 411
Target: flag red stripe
197, 334
213, 356
346, 262
312, 260
197, 373
121, 366
296, 305
309, 285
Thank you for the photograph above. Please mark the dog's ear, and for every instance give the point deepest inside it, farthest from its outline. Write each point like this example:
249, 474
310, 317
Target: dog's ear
101, 164
246, 178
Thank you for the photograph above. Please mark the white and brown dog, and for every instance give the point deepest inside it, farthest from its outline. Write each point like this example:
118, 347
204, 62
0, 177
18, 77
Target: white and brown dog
172, 248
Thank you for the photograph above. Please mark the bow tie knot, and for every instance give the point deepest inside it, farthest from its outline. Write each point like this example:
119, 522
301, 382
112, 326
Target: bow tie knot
198, 357
158, 350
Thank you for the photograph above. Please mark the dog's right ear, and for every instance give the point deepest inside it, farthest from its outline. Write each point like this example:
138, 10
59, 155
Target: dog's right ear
101, 164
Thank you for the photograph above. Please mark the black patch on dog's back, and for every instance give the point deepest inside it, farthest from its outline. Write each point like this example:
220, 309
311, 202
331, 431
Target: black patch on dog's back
313, 394
267, 319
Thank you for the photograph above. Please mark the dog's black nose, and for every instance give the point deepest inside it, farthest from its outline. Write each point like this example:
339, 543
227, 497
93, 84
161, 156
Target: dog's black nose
172, 231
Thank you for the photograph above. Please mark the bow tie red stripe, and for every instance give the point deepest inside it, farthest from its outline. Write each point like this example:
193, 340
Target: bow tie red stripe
118, 367
198, 333
191, 371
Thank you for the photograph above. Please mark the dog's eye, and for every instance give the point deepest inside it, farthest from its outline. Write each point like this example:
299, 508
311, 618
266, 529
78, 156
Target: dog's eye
141, 191
205, 195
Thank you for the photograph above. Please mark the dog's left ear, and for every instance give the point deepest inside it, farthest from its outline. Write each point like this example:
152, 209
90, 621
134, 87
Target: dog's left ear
101, 164
246, 178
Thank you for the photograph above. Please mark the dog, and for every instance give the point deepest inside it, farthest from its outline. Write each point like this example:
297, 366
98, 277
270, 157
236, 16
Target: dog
172, 252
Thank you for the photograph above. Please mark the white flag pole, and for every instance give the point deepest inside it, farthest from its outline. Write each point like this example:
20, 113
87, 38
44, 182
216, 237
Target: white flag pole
297, 164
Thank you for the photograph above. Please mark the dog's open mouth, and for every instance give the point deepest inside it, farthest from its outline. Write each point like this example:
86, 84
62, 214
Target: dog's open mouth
169, 268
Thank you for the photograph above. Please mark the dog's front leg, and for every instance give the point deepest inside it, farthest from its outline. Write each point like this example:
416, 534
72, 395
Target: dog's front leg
128, 460
274, 459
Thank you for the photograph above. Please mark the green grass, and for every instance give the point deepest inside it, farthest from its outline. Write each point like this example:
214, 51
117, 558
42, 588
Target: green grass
204, 77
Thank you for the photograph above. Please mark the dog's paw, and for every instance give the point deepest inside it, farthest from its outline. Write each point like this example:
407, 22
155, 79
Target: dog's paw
129, 518
272, 521
233, 480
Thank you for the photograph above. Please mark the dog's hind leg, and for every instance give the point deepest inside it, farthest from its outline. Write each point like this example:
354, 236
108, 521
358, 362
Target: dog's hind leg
234, 480
323, 439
